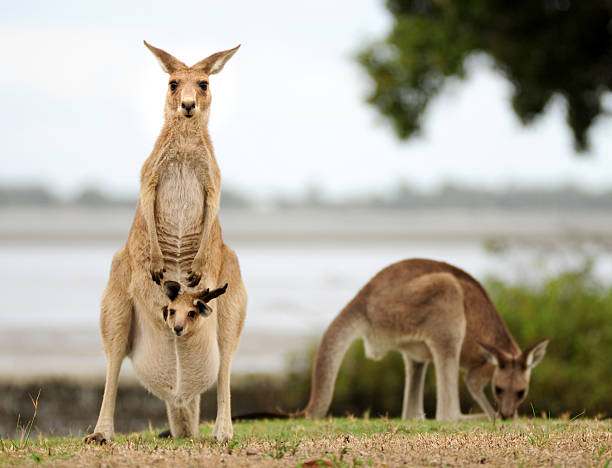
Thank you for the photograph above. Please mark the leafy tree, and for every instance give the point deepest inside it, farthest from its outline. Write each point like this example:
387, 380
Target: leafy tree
543, 47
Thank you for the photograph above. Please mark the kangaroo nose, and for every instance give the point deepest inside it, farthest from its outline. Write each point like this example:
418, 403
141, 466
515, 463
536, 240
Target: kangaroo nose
178, 330
188, 105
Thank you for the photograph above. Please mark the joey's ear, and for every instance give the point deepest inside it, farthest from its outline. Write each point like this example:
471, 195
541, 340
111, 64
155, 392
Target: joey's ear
165, 311
494, 355
214, 63
533, 354
209, 296
172, 289
168, 63
202, 307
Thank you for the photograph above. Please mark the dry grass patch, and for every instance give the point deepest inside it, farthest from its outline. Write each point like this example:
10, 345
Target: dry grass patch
341, 442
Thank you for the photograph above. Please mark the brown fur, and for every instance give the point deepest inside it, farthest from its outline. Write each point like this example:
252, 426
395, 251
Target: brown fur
429, 310
175, 235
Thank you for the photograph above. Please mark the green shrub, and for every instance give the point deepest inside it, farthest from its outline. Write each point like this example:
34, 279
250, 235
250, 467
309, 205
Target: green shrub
572, 310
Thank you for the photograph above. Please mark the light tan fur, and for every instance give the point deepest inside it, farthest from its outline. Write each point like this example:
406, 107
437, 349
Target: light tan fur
175, 235
429, 311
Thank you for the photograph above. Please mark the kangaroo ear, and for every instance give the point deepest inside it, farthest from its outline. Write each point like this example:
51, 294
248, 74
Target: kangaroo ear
165, 311
202, 307
494, 355
215, 63
172, 289
533, 354
168, 63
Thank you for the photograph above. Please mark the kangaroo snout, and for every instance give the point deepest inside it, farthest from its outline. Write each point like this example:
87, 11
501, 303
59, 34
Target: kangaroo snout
188, 107
178, 330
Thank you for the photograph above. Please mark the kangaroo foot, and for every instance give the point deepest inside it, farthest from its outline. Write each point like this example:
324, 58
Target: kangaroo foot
95, 438
223, 430
165, 434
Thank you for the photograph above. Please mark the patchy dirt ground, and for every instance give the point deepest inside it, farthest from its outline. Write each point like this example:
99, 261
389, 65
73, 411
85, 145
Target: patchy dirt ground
341, 442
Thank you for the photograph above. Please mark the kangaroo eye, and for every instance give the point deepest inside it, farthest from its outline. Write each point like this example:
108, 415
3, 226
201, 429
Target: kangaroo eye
520, 394
191, 314
203, 85
498, 390
173, 85
172, 311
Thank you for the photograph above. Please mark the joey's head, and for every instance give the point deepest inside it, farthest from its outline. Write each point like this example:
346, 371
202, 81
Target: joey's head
510, 382
187, 312
188, 97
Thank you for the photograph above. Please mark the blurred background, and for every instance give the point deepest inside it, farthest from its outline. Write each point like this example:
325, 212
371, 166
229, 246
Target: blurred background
350, 135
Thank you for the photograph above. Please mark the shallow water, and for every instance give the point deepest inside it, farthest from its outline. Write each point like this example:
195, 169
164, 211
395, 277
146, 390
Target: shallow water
51, 289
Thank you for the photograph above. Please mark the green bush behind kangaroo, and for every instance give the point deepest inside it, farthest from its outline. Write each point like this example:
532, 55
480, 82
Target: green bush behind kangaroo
572, 309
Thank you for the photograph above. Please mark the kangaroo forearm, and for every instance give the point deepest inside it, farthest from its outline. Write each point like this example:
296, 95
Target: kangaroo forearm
211, 207
148, 210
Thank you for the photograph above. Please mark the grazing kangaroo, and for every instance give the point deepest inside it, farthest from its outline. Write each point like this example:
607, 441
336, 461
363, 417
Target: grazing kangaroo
175, 235
429, 310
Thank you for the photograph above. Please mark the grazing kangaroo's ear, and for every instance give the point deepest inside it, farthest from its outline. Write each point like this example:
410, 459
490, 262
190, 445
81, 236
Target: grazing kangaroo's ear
214, 63
172, 289
207, 296
165, 311
202, 307
533, 354
168, 63
494, 355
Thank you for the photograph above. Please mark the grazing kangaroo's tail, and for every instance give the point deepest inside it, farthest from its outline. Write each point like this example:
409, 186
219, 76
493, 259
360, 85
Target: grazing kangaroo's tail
349, 325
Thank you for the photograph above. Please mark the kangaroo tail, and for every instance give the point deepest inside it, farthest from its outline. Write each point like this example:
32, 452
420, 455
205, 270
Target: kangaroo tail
349, 325
262, 415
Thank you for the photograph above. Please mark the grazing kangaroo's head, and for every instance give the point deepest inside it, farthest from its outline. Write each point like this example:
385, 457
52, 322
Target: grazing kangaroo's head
188, 96
185, 311
510, 382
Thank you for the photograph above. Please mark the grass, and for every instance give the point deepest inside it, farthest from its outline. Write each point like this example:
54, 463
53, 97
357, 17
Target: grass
340, 442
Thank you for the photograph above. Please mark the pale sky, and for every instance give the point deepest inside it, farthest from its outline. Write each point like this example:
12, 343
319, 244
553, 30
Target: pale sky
83, 102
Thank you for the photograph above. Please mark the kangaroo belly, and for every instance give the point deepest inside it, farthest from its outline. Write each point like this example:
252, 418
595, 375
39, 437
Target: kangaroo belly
378, 345
179, 212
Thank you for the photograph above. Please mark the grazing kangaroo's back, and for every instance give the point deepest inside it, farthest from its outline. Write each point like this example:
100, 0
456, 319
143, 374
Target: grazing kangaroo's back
428, 310
175, 235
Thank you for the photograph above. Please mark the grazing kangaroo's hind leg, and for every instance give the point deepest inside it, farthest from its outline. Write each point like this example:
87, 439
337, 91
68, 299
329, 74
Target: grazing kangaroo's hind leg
349, 325
115, 323
412, 407
439, 299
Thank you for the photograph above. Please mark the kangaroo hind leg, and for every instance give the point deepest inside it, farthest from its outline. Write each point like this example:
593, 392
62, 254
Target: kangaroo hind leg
115, 323
444, 330
184, 421
412, 407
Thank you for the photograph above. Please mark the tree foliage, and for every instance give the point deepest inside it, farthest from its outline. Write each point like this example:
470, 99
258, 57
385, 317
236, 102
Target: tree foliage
543, 47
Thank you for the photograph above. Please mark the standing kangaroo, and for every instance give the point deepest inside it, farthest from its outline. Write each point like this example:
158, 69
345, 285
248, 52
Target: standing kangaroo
175, 235
429, 310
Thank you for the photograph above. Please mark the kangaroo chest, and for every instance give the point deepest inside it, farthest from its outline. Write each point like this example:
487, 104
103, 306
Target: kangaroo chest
179, 213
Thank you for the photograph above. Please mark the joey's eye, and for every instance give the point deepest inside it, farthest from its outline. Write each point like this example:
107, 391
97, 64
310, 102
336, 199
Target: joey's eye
203, 85
498, 390
173, 85
172, 311
520, 394
191, 314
